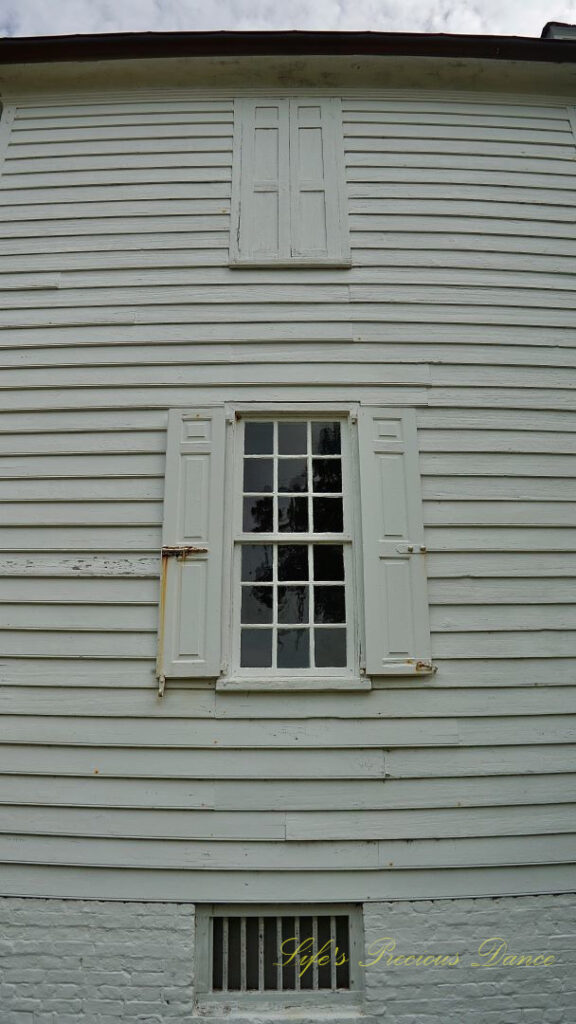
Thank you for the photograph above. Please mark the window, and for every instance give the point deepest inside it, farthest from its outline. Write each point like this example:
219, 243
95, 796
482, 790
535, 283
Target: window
293, 557
288, 188
293, 547
284, 953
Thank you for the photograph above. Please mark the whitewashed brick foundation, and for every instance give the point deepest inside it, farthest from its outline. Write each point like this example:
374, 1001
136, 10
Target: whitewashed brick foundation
88, 962
463, 994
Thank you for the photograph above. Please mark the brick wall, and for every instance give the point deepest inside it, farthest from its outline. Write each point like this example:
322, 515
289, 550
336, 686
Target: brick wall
459, 993
88, 962
85, 962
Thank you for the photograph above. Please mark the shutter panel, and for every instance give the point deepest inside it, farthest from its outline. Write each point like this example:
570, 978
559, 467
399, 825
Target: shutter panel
190, 626
261, 194
396, 604
316, 178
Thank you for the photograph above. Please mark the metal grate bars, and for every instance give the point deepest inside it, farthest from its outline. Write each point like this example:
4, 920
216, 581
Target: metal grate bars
266, 953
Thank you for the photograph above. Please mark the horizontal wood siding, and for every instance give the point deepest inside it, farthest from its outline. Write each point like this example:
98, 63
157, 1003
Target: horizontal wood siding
116, 304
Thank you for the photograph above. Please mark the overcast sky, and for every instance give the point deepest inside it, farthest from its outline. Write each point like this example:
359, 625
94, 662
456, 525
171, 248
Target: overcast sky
487, 17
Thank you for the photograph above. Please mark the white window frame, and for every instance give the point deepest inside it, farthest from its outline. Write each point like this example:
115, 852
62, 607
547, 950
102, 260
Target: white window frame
234, 677
278, 999
289, 183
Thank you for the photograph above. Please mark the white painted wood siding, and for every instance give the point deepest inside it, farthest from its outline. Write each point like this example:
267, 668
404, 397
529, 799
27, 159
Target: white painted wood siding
116, 304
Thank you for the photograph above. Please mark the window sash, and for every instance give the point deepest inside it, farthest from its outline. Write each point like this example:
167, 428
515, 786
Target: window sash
346, 539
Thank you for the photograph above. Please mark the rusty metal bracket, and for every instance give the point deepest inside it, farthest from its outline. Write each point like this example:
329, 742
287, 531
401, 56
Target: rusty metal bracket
426, 666
182, 550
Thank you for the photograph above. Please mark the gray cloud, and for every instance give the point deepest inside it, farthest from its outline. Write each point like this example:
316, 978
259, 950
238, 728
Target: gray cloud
485, 17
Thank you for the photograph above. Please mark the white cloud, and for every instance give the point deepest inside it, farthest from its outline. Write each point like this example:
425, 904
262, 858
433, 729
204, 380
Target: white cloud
484, 17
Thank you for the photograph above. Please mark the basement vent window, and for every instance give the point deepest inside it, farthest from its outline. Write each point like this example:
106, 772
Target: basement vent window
279, 952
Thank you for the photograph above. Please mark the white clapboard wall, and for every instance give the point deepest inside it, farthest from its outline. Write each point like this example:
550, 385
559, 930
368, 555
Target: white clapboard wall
117, 304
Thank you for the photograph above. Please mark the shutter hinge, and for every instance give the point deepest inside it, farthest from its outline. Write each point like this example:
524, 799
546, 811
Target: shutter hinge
426, 666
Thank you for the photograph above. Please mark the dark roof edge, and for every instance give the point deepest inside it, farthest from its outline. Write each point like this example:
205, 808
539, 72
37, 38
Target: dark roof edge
142, 45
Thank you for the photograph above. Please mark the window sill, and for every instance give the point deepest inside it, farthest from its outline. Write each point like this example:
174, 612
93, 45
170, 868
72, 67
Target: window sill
291, 683
332, 1012
344, 263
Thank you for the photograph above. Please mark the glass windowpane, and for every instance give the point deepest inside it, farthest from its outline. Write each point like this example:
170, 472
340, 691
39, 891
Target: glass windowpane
327, 475
328, 562
256, 648
292, 438
258, 515
292, 562
292, 475
325, 438
257, 605
329, 604
293, 515
257, 562
293, 604
258, 475
293, 648
258, 438
330, 648
328, 515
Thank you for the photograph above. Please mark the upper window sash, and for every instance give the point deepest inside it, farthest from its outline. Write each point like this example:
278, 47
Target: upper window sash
288, 189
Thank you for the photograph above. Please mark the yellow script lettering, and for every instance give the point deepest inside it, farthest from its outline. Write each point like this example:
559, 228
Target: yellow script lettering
379, 947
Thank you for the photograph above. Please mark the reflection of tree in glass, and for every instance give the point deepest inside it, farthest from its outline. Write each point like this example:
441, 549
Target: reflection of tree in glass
327, 475
257, 563
264, 594
326, 438
293, 562
293, 515
292, 604
261, 512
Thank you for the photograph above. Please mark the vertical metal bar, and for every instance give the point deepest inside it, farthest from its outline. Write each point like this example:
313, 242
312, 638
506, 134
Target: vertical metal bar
315, 950
297, 971
275, 545
311, 633
243, 954
224, 954
160, 671
274, 604
279, 984
333, 952
261, 954
310, 483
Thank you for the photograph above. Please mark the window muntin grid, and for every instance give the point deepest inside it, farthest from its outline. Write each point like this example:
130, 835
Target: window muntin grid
293, 550
253, 953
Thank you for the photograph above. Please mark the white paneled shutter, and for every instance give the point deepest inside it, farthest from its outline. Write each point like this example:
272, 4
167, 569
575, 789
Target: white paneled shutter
288, 188
262, 161
191, 600
397, 638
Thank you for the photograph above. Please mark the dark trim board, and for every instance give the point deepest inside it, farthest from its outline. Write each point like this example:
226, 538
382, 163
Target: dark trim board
146, 45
